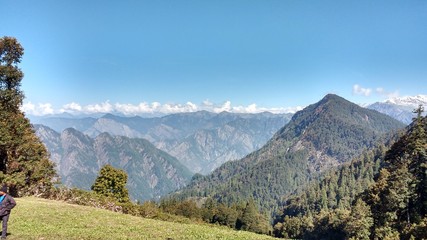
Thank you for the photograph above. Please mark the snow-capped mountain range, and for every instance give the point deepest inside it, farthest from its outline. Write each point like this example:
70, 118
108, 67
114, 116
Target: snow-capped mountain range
410, 101
400, 108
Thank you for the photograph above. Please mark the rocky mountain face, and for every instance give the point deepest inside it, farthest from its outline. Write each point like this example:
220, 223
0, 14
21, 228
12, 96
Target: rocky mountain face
321, 136
152, 173
400, 108
201, 140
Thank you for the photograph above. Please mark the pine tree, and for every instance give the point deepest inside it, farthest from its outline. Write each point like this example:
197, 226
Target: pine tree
248, 219
418, 165
111, 182
360, 221
251, 220
398, 197
24, 160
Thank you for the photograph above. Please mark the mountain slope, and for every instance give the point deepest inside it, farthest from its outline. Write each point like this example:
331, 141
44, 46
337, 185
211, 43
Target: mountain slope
231, 141
338, 187
151, 172
335, 130
201, 140
321, 136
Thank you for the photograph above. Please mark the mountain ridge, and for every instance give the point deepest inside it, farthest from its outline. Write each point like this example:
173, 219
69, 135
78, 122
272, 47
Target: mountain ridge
151, 172
202, 140
298, 152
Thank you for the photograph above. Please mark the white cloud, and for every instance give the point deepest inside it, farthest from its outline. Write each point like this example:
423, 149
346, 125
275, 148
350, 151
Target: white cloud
226, 107
282, 110
192, 106
177, 108
37, 110
28, 107
155, 107
129, 109
380, 90
207, 103
151, 108
358, 90
71, 107
251, 108
104, 107
387, 94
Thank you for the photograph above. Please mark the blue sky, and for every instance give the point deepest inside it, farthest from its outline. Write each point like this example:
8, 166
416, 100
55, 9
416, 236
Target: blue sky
239, 55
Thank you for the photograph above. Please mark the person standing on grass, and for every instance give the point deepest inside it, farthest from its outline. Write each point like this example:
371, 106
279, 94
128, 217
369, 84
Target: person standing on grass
6, 204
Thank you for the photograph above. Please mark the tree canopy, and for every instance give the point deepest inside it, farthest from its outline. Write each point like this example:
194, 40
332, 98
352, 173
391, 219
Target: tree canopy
111, 182
24, 160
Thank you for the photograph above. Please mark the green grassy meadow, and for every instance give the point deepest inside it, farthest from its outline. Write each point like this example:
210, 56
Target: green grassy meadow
41, 219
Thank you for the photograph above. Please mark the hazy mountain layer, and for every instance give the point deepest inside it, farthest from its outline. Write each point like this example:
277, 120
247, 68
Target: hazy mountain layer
201, 140
152, 173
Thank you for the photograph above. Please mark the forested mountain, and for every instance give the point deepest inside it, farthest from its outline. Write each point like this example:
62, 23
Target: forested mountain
201, 140
323, 135
337, 190
151, 172
379, 195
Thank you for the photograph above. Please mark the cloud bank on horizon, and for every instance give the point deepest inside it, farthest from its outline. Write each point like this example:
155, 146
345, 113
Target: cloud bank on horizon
144, 108
157, 108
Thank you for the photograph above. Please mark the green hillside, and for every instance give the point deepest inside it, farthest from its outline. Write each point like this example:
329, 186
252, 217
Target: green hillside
35, 218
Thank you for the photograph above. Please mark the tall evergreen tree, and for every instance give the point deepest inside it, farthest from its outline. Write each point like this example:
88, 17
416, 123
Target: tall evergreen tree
24, 161
253, 221
398, 198
111, 182
418, 165
360, 221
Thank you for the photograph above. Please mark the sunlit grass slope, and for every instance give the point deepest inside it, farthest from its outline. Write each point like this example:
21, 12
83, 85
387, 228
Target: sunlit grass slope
35, 218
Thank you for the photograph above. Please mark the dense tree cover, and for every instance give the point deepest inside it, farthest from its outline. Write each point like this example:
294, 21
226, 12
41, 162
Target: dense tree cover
24, 161
265, 184
322, 205
111, 182
398, 199
338, 188
393, 206
240, 216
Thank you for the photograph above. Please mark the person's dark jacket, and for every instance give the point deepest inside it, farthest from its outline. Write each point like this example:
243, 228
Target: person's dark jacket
6, 205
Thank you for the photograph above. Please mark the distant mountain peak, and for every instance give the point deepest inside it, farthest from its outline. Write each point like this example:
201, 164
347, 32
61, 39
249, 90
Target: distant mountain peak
330, 96
332, 99
109, 115
331, 106
330, 128
413, 101
400, 108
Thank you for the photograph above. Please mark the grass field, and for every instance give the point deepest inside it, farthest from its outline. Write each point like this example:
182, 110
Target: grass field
41, 219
